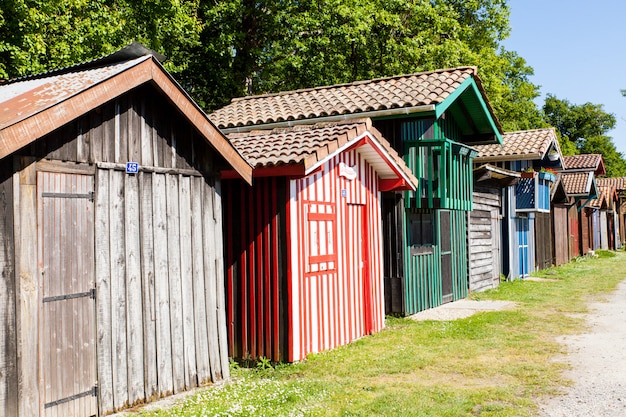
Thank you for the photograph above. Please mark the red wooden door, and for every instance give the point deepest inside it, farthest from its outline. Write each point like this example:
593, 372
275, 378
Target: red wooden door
67, 311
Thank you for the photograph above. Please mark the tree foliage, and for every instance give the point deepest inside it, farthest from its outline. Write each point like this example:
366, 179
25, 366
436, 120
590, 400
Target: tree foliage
583, 129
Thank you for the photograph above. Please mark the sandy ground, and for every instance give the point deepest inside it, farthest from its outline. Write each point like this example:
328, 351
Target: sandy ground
598, 364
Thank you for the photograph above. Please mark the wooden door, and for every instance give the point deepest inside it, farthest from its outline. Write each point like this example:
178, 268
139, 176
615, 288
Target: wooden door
522, 241
445, 235
67, 311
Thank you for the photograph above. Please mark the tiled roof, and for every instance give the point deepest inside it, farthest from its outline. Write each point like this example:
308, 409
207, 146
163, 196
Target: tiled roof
521, 145
310, 144
618, 183
577, 183
605, 197
586, 162
421, 89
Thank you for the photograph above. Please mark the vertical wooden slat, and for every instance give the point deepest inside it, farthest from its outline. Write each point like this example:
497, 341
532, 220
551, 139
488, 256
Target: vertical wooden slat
161, 286
8, 355
24, 184
118, 290
174, 272
222, 333
147, 285
210, 277
103, 293
133, 294
199, 302
184, 195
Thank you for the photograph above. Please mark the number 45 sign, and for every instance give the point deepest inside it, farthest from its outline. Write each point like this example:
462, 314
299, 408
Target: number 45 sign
132, 167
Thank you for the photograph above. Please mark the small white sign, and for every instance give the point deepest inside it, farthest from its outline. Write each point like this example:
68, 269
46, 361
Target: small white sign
347, 172
132, 167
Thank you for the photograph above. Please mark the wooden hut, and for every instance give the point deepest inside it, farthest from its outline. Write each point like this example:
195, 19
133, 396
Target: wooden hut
619, 211
111, 259
304, 244
527, 220
431, 119
485, 226
580, 173
580, 188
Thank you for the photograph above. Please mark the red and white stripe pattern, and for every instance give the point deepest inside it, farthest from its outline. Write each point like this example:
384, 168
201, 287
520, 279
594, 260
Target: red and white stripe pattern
335, 249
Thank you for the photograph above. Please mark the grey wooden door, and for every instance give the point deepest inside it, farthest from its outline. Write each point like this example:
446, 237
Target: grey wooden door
67, 310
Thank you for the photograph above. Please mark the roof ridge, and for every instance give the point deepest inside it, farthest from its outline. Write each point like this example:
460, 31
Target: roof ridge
355, 83
129, 52
530, 130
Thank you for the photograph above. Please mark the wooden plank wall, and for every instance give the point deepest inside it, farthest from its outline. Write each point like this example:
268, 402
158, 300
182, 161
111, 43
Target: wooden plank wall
336, 305
543, 241
157, 269
561, 235
484, 239
160, 296
8, 337
256, 268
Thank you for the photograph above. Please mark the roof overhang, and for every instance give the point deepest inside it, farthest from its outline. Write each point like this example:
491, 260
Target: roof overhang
469, 107
23, 131
493, 176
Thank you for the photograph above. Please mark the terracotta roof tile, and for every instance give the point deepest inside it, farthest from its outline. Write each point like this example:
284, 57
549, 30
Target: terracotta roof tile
618, 183
583, 162
521, 145
308, 144
577, 183
418, 89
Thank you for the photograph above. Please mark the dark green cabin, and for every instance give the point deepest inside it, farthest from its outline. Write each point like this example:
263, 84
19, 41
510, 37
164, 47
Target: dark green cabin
426, 241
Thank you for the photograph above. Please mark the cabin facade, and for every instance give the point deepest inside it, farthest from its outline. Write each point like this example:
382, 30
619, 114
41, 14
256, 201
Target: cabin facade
580, 174
526, 208
111, 287
431, 119
304, 244
485, 226
619, 210
579, 189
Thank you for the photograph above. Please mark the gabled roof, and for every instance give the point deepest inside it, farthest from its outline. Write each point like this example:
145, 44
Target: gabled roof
579, 184
618, 183
607, 196
522, 145
585, 162
309, 146
32, 107
457, 91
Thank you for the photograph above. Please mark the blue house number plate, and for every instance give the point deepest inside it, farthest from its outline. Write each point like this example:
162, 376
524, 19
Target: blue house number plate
132, 167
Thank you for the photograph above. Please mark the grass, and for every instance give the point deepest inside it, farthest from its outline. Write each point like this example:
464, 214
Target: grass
490, 364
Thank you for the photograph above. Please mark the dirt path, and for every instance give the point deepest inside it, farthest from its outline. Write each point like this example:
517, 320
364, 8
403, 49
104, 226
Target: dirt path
598, 360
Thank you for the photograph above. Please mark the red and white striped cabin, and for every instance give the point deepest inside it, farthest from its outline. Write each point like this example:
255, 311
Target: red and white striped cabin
304, 246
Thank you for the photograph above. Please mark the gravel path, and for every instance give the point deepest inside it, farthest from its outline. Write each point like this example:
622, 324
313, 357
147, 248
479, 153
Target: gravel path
598, 360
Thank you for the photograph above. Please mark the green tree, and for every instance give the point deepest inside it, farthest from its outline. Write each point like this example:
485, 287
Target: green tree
577, 122
39, 35
583, 129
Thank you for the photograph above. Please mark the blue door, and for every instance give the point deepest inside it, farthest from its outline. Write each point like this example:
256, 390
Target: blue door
522, 242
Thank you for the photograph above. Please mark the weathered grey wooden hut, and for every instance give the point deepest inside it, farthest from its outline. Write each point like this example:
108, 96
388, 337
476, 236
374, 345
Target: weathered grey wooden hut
111, 262
485, 226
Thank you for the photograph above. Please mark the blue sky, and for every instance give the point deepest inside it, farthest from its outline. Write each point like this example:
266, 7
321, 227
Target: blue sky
578, 51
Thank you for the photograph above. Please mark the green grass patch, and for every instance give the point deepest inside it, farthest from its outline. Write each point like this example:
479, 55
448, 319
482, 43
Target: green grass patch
491, 364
